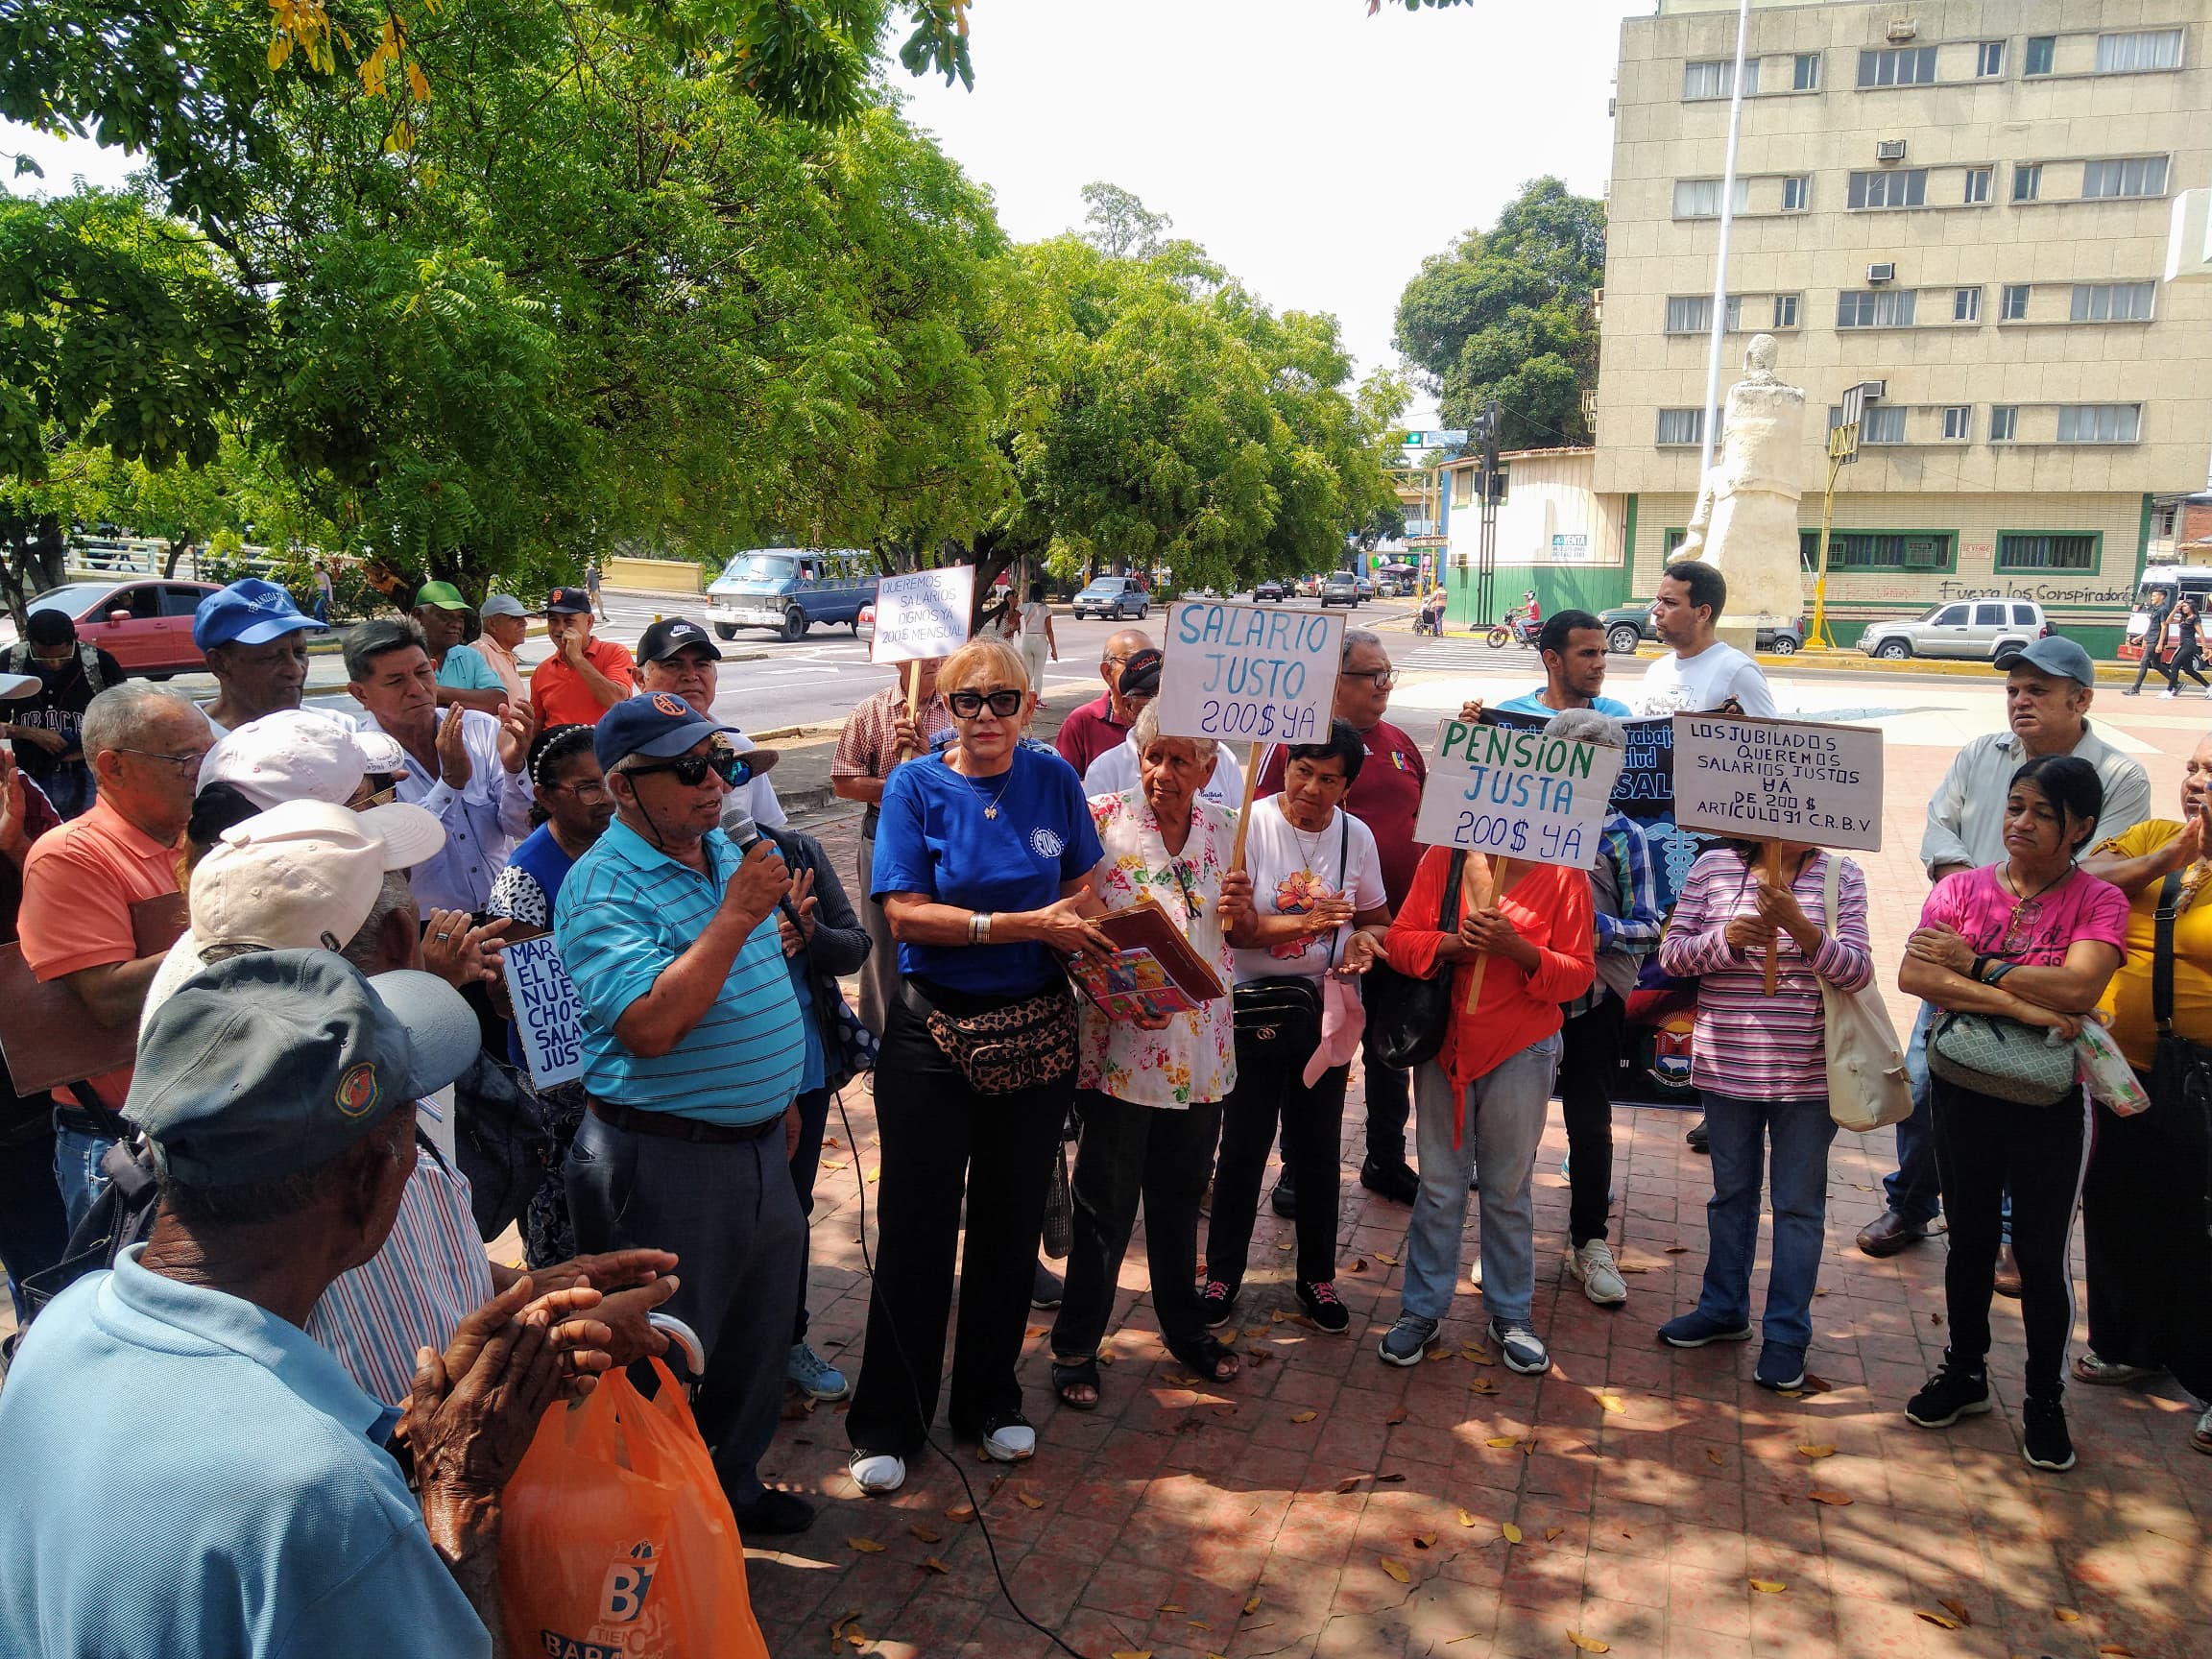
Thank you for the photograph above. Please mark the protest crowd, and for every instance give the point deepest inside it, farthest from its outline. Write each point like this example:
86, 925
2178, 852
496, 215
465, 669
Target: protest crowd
304, 1009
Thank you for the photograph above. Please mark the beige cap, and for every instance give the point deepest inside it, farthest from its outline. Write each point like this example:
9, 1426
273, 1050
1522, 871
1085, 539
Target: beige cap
299, 753
304, 875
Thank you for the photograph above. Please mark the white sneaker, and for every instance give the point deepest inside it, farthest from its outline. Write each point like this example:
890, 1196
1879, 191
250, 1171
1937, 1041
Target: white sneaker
2169, 692
1010, 1442
1601, 1282
877, 1472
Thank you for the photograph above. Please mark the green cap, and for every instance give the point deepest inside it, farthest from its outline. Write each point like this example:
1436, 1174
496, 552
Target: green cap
273, 1063
443, 594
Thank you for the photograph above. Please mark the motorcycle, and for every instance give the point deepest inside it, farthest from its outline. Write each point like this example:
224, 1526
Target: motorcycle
1520, 630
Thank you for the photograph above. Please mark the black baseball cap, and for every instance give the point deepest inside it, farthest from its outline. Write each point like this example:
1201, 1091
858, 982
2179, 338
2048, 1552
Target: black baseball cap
1141, 674
568, 602
671, 635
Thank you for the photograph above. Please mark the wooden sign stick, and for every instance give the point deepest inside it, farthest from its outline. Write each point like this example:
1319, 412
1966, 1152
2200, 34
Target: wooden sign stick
913, 699
1496, 884
1252, 753
1774, 944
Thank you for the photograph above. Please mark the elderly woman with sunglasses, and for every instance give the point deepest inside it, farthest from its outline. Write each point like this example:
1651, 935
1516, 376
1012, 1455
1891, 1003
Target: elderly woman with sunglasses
1150, 1090
983, 861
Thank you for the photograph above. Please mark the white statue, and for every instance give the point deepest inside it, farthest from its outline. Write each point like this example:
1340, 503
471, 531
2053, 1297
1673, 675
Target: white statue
1745, 522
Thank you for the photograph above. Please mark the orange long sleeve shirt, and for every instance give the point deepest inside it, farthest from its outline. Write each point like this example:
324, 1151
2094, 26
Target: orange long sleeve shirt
1549, 907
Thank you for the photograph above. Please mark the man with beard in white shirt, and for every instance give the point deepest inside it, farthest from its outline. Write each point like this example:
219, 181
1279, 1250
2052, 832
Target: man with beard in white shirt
1699, 674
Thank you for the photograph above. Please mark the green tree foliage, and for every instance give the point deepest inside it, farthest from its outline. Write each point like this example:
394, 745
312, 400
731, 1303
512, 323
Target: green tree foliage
1508, 313
1122, 226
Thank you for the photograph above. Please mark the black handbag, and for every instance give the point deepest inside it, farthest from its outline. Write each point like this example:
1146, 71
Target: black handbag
1282, 1013
2180, 1071
1406, 1016
499, 1142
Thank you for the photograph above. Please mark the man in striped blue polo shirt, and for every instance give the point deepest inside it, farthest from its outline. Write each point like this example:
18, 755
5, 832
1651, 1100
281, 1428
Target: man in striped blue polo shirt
693, 1053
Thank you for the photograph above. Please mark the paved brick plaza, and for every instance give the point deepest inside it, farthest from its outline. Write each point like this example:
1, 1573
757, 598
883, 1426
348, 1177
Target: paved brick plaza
1650, 1488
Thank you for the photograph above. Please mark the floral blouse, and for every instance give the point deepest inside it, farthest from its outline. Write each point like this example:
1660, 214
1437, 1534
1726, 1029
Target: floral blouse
1194, 1056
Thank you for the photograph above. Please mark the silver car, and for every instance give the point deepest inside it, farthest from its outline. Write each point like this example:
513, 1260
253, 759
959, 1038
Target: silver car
1969, 630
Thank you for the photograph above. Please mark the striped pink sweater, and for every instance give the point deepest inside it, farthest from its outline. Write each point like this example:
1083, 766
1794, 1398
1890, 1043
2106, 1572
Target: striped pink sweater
1747, 1044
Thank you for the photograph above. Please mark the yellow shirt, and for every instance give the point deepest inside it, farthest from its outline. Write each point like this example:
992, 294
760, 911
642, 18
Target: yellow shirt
2126, 1004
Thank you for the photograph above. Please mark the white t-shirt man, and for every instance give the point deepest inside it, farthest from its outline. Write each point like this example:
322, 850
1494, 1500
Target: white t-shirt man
1115, 772
1679, 684
1291, 869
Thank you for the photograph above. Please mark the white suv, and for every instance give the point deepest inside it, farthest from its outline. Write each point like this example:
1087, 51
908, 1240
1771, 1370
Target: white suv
1972, 629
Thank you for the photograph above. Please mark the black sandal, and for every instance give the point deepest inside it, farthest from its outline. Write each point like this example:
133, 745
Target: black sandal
1081, 1374
1205, 1357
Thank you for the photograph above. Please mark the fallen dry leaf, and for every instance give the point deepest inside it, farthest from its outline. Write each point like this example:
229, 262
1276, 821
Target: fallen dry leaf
1350, 1482
1476, 1356
1172, 1607
1287, 1247
1276, 1316
1225, 1410
2066, 1615
1436, 1354
866, 1546
2114, 1650
1712, 1456
1390, 1480
1767, 1586
961, 1512
1397, 1569
1465, 1519
1942, 1620
838, 1626
924, 1534
1028, 1500
1386, 1261
1396, 1417
1589, 1644
1304, 1416
875, 1174
931, 1564
1482, 1385
1935, 1318
1251, 1606
1956, 1609
1551, 1532
1424, 1539
1503, 1440
1834, 1500
1131, 1653
857, 1638
1613, 1404
1511, 1531
1255, 1330
1361, 1265
1678, 1249
1816, 1450
1183, 1379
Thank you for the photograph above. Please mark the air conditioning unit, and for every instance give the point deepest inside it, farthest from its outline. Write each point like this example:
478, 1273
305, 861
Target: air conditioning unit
1904, 28
1890, 150
1887, 272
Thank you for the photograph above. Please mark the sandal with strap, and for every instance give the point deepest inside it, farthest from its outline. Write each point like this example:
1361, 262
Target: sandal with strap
1207, 1357
1076, 1374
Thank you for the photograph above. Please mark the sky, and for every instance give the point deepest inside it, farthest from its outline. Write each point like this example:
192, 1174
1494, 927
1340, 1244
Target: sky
1317, 152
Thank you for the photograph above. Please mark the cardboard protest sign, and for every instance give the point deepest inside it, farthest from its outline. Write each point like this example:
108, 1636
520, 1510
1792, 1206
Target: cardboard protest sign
1779, 780
1249, 673
1645, 791
922, 613
548, 1011
1517, 794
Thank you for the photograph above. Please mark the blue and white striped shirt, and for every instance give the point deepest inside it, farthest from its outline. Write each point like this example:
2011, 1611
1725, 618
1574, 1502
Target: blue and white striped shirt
625, 913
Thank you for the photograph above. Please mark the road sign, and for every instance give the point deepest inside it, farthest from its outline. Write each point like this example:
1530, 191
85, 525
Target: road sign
1447, 438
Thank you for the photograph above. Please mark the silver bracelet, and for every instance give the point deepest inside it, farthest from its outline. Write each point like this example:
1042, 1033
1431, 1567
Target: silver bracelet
978, 927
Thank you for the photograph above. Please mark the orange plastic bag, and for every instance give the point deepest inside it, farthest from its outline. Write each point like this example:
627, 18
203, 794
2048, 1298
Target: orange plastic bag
617, 1542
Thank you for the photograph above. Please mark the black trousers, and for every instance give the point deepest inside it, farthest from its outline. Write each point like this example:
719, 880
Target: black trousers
2146, 1252
1162, 1155
1589, 1060
1270, 1089
2184, 662
942, 1141
806, 1161
1984, 1146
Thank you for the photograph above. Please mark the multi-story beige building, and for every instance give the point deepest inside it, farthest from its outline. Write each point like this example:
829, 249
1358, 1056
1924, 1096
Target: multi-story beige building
1964, 202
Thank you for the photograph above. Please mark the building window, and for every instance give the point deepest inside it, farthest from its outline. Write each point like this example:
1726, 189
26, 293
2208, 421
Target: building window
2139, 176
2046, 552
2027, 181
1669, 540
1966, 305
1463, 487
1883, 423
2112, 301
1805, 73
2041, 50
2004, 422
1988, 59
2100, 422
1785, 310
1959, 422
1681, 427
1716, 77
1977, 184
2154, 49
1796, 194
1690, 314
1875, 308
1906, 188
1877, 550
1700, 198
2013, 307
1897, 67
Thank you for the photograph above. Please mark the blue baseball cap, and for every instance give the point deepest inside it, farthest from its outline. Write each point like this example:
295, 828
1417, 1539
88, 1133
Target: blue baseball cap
2054, 654
249, 612
656, 724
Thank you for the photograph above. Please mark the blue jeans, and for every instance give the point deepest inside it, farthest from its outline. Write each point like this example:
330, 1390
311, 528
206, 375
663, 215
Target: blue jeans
1504, 1121
1914, 1190
77, 1172
1741, 1130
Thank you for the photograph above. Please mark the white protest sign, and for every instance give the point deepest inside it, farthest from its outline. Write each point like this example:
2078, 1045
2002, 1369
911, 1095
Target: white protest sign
1517, 794
1249, 673
922, 613
547, 1012
1779, 780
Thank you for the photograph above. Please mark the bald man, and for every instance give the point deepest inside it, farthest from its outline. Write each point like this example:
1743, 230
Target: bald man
1104, 723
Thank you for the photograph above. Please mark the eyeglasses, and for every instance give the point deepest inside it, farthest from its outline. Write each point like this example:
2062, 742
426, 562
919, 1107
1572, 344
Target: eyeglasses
968, 705
690, 770
378, 789
1385, 678
592, 789
187, 765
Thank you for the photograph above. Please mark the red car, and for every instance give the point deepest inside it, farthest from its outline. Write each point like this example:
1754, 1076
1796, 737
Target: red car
145, 625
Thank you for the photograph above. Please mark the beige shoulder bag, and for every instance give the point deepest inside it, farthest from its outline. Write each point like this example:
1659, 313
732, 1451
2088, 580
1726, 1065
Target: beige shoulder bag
1867, 1088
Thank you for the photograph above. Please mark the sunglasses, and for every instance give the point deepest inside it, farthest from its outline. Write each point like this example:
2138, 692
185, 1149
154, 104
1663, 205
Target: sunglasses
690, 770
968, 705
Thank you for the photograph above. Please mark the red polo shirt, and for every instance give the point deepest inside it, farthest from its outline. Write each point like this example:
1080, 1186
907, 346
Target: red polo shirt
1386, 798
559, 696
1088, 732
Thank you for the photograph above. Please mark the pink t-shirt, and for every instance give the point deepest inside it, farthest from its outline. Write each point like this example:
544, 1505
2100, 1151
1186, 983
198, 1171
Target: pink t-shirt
1974, 903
